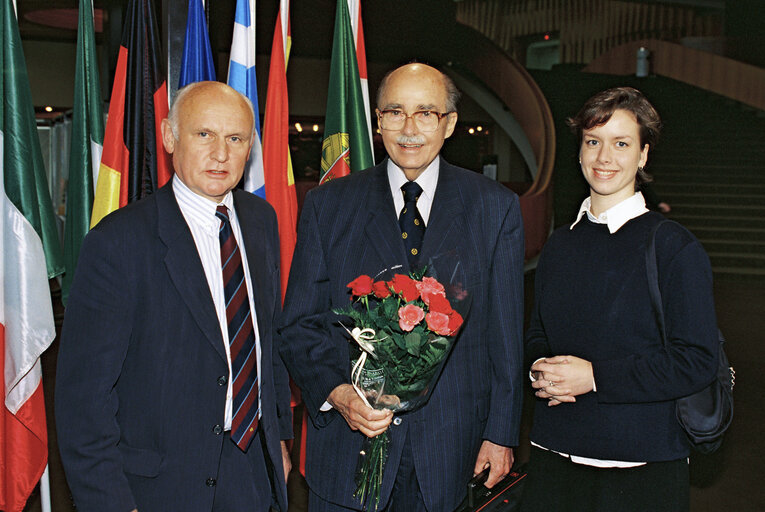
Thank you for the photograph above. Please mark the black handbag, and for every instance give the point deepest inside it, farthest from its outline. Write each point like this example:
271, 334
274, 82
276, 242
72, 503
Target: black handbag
706, 415
505, 496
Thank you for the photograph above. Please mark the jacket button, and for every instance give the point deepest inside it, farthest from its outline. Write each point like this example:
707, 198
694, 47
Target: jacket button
397, 420
217, 430
222, 380
210, 482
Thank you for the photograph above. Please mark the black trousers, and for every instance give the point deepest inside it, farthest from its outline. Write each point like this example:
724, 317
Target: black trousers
555, 484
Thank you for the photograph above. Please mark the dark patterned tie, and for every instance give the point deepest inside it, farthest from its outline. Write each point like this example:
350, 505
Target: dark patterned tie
241, 337
410, 221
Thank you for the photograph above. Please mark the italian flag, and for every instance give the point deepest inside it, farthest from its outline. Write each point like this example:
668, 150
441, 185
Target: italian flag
347, 142
30, 256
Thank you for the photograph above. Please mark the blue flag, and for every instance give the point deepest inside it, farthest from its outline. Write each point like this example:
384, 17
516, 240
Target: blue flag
241, 76
197, 63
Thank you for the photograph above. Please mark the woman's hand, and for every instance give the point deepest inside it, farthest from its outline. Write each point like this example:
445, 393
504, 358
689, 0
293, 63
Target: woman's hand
561, 378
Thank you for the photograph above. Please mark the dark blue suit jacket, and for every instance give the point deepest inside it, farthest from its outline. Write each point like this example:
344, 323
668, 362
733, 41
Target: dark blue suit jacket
349, 227
138, 385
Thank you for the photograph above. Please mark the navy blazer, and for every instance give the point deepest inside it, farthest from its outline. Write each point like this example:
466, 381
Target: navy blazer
349, 227
141, 376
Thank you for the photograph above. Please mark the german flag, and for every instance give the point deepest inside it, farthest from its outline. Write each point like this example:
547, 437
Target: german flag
134, 162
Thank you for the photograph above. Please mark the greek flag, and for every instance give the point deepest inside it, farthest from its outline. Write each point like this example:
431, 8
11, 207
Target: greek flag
241, 76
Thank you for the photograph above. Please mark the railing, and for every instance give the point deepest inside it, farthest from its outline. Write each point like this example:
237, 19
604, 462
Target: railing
585, 28
727, 77
514, 87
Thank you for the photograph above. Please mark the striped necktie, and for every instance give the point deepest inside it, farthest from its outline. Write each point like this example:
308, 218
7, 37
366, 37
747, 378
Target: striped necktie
241, 336
410, 222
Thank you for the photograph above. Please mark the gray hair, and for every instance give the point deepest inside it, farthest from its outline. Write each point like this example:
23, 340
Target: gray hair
172, 116
452, 93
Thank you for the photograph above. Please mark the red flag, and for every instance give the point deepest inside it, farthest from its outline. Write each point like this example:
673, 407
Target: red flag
134, 162
277, 166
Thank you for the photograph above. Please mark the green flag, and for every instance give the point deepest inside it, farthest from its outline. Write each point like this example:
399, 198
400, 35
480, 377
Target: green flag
346, 145
86, 144
25, 182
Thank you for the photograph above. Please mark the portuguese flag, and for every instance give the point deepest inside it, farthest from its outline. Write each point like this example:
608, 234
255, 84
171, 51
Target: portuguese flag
134, 162
347, 141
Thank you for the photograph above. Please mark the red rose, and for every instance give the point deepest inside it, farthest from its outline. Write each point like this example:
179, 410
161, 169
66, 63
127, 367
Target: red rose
438, 323
455, 322
361, 286
380, 289
409, 316
439, 304
429, 287
405, 286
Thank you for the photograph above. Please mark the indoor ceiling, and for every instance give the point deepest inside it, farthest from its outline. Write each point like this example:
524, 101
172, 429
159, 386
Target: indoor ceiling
312, 22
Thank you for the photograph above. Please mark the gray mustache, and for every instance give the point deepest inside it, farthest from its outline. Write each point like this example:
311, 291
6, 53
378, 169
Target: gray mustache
414, 139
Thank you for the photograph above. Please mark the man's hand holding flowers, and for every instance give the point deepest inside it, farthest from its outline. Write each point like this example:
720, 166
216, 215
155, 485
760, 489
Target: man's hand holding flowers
358, 415
405, 328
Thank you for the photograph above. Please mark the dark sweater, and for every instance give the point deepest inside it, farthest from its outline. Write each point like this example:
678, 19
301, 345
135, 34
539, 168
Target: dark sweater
592, 301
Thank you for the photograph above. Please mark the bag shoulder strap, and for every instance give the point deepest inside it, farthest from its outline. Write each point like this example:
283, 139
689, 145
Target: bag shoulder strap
652, 272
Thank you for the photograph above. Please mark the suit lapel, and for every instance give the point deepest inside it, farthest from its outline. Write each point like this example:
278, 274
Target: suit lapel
445, 226
185, 267
382, 229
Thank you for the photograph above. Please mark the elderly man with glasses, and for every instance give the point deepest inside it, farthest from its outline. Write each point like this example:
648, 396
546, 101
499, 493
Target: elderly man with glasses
406, 212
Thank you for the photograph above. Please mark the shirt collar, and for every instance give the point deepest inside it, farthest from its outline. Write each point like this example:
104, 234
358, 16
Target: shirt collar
616, 216
198, 209
428, 180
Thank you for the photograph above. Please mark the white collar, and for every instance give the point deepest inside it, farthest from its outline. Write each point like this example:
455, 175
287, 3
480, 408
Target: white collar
616, 216
428, 179
199, 209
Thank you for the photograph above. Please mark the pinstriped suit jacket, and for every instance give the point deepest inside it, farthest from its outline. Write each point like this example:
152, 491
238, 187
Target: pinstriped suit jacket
349, 227
138, 385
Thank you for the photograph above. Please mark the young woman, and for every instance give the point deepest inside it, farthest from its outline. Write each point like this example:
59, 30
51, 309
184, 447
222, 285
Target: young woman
605, 436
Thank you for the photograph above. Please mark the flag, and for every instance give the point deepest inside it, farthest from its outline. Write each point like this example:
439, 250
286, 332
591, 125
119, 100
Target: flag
241, 76
134, 162
31, 254
347, 143
197, 62
277, 167
354, 9
86, 143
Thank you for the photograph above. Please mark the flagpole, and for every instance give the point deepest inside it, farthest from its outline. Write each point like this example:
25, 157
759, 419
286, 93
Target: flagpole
45, 490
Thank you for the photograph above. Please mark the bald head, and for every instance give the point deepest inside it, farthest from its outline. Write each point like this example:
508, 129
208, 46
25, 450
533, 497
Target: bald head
418, 71
200, 90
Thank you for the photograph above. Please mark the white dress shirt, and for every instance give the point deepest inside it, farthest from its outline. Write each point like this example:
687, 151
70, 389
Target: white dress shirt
199, 213
428, 180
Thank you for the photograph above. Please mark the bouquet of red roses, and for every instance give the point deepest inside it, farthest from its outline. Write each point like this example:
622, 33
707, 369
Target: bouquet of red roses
405, 328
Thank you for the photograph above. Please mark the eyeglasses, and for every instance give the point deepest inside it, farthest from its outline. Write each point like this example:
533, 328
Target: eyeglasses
425, 120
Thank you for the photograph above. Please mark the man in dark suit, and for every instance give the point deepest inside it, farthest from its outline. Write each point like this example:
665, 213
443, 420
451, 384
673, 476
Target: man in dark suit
349, 227
169, 395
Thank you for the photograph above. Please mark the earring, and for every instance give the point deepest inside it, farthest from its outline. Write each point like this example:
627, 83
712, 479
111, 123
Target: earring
640, 168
